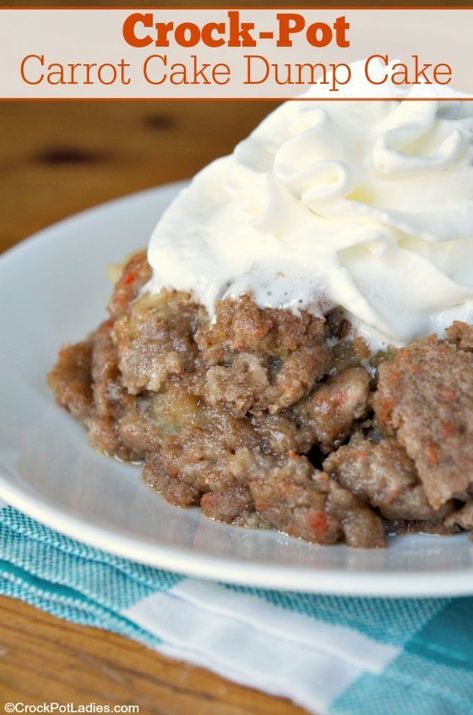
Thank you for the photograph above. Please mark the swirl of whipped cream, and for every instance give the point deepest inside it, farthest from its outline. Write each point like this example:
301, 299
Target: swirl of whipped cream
366, 205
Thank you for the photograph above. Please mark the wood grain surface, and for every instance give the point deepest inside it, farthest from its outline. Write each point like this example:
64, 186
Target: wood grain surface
59, 158
43, 659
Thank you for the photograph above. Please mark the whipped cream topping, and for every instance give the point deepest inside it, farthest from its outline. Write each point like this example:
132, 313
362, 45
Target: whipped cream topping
367, 205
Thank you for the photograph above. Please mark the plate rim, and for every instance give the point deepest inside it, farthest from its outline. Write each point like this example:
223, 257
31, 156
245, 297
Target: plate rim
216, 568
335, 581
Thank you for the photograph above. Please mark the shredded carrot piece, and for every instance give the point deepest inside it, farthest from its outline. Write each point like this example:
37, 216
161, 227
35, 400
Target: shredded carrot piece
318, 522
433, 454
128, 278
446, 394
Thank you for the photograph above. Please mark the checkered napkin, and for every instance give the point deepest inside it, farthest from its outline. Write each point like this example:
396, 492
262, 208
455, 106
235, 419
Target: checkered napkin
337, 656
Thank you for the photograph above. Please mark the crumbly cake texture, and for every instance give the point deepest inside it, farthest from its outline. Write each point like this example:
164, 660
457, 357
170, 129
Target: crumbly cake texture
269, 419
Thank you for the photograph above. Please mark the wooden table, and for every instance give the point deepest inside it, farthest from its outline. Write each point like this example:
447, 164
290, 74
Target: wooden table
57, 159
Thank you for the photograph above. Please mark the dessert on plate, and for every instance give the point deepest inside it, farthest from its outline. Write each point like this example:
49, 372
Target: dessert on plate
295, 349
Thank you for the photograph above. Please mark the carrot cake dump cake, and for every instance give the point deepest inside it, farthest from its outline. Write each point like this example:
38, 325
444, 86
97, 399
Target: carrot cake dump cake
295, 349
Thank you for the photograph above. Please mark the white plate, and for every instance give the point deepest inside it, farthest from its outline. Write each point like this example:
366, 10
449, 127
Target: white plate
53, 290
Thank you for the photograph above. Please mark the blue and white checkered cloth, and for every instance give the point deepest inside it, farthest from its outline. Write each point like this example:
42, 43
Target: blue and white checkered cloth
337, 656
